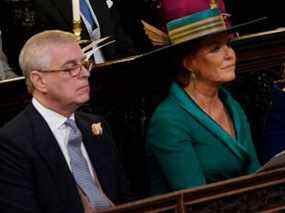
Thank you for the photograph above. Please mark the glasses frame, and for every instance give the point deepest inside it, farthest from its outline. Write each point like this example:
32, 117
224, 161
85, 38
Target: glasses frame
75, 70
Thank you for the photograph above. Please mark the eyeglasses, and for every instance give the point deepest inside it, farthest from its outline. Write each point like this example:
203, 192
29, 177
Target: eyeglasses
74, 70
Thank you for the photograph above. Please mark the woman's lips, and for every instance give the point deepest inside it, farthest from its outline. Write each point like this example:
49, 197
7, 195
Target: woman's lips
229, 67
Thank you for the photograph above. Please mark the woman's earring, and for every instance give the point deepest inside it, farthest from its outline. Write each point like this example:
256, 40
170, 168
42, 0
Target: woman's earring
192, 74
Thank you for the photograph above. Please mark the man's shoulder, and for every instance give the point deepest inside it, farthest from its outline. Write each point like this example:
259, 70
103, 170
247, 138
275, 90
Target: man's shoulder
17, 133
19, 125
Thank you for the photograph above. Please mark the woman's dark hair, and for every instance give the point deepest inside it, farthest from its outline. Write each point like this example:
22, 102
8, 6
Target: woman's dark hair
183, 75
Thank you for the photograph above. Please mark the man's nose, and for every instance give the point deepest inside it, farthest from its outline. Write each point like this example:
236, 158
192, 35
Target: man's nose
84, 72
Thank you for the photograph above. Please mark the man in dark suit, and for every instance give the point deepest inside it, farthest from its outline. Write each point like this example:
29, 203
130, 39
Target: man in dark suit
32, 16
53, 158
58, 15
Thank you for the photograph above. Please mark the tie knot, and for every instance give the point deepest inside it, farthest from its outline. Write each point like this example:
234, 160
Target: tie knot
71, 123
75, 135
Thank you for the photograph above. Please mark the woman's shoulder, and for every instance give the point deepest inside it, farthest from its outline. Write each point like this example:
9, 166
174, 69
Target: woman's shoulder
167, 108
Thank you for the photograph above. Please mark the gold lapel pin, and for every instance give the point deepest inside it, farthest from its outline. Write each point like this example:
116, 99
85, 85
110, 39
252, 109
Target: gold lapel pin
97, 129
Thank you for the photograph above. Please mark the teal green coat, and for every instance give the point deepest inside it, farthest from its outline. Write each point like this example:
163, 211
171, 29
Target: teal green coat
186, 148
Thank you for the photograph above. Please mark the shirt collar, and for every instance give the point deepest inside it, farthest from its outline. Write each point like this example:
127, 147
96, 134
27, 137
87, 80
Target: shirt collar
53, 119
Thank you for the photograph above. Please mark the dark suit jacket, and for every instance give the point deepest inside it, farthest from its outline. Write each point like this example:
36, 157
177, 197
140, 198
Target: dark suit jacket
34, 176
20, 20
57, 14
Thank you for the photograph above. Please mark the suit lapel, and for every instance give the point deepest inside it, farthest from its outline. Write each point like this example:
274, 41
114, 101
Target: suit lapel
49, 150
208, 123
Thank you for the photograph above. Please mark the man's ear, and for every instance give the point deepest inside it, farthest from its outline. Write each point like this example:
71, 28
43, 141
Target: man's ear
38, 81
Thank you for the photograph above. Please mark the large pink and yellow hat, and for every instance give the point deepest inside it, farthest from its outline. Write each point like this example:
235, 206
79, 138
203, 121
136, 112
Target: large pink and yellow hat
196, 25
192, 19
175, 9
188, 20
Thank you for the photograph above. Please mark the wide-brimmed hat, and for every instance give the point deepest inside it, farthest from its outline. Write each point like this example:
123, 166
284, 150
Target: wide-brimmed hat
186, 22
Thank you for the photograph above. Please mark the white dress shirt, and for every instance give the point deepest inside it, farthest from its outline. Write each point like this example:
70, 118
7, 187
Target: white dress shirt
60, 131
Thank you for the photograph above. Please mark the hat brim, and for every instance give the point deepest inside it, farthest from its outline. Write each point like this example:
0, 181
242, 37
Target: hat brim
175, 48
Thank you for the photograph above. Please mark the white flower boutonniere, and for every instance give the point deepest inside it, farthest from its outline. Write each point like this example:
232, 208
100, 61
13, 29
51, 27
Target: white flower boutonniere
97, 129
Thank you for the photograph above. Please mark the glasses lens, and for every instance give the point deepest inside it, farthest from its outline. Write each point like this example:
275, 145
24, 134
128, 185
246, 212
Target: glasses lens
88, 65
75, 70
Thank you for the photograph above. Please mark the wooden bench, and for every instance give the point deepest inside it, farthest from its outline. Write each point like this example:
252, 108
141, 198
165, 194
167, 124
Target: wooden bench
261, 192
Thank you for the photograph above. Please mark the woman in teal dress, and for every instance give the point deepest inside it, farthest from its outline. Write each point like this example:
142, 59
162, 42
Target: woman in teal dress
199, 134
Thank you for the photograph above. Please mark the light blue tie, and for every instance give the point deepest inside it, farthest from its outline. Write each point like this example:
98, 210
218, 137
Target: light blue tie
80, 168
87, 14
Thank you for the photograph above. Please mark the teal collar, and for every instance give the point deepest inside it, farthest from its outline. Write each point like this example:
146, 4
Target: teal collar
188, 104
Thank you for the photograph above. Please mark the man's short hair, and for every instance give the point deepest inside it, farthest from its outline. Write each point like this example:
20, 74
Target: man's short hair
36, 54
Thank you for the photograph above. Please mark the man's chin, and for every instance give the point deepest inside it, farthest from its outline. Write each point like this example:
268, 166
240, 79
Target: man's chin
83, 99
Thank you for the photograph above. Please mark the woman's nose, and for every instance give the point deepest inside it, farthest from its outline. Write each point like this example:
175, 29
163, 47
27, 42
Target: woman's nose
229, 52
